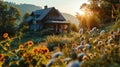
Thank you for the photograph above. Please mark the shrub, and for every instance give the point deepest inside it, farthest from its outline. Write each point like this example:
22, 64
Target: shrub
92, 21
54, 41
74, 27
117, 25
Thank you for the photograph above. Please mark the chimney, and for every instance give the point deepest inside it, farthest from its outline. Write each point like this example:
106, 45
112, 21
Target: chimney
45, 7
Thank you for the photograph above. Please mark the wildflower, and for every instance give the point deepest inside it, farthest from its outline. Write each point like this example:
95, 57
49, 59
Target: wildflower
84, 49
1, 56
90, 39
67, 60
29, 60
5, 35
21, 46
35, 50
95, 41
21, 53
82, 42
102, 32
7, 44
80, 55
57, 54
48, 56
80, 47
84, 57
88, 46
118, 30
26, 55
49, 64
29, 43
2, 59
81, 31
100, 42
93, 29
45, 50
75, 63
110, 39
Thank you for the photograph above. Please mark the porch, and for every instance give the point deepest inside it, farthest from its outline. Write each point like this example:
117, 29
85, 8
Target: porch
58, 26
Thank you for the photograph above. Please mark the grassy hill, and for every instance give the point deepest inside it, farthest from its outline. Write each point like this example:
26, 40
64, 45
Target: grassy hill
24, 7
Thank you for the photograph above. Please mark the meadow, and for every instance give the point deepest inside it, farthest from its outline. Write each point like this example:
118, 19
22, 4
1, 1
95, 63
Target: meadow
98, 48
95, 42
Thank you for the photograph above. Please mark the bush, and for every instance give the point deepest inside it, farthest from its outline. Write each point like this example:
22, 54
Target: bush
117, 25
92, 21
54, 41
74, 27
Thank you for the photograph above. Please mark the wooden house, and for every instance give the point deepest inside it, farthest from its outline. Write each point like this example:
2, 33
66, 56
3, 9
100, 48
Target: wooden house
48, 18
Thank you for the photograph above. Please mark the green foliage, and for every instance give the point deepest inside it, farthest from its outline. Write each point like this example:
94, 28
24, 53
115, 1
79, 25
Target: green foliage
104, 51
8, 19
92, 21
117, 25
23, 27
24, 7
54, 41
104, 9
74, 27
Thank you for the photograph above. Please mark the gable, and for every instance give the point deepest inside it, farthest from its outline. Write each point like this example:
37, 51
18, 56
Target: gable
54, 15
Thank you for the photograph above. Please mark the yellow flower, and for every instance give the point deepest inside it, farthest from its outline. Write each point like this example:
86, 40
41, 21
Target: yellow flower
7, 44
5, 35
45, 50
36, 50
21, 46
29, 43
48, 56
2, 59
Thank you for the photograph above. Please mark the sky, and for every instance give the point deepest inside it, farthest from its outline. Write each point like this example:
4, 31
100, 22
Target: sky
65, 6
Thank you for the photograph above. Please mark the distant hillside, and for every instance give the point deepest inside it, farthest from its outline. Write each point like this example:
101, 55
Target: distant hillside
71, 18
24, 7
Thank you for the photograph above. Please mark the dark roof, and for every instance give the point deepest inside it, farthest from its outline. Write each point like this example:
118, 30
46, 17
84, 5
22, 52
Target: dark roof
40, 14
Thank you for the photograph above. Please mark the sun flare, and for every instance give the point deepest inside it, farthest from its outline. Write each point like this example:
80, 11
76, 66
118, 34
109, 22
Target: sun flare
81, 12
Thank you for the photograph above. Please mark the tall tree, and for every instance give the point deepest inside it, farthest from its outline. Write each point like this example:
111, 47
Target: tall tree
23, 25
8, 18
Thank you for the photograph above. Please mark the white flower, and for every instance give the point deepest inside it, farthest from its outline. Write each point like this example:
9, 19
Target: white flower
93, 29
50, 63
100, 42
80, 55
81, 31
88, 46
57, 54
102, 32
82, 42
75, 63
109, 41
67, 60
80, 47
95, 41
118, 30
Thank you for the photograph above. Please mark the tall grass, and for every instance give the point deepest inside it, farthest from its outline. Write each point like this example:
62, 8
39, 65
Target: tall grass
54, 41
